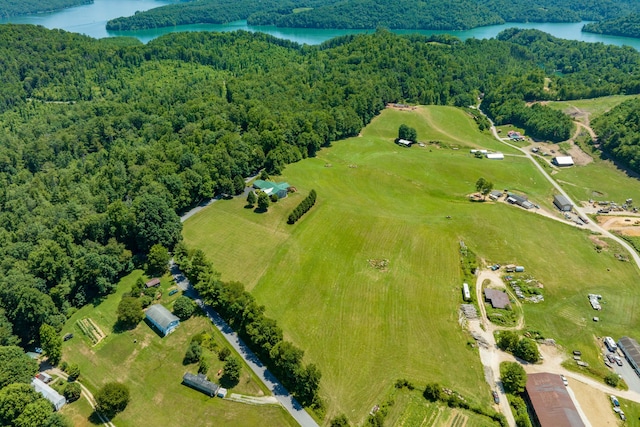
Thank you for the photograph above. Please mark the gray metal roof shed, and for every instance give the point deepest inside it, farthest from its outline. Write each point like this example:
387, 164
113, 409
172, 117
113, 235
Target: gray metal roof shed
162, 318
200, 383
48, 393
562, 203
631, 351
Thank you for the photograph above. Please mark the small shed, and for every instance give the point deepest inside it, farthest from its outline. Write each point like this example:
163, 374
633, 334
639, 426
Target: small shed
222, 392
152, 283
495, 156
279, 188
519, 269
495, 194
165, 321
48, 393
201, 383
562, 203
520, 200
405, 142
44, 377
562, 161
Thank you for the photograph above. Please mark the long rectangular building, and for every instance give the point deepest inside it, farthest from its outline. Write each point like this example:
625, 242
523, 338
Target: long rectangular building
550, 403
631, 351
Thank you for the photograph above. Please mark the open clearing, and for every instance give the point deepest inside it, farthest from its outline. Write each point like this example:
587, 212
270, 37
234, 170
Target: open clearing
365, 327
625, 225
152, 368
595, 404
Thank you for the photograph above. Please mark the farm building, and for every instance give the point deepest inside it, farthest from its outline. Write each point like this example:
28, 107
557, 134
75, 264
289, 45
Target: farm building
44, 377
562, 203
200, 383
152, 283
495, 156
498, 299
278, 188
48, 393
515, 136
495, 194
465, 292
550, 402
404, 142
516, 199
562, 161
631, 351
162, 319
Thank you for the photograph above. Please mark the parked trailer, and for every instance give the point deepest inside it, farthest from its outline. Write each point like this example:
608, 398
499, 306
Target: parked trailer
465, 292
610, 343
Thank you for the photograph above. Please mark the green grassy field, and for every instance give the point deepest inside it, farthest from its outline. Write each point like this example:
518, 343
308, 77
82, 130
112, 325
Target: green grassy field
594, 107
152, 368
365, 327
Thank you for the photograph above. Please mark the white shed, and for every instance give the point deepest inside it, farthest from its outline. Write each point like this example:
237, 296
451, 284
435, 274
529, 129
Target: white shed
563, 161
48, 393
495, 156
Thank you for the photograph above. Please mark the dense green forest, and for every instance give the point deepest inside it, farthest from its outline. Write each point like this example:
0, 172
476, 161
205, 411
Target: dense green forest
399, 14
103, 144
619, 133
625, 26
27, 7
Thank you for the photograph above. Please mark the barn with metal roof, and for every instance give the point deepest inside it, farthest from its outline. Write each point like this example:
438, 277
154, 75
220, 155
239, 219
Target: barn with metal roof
631, 351
48, 393
200, 383
165, 321
550, 402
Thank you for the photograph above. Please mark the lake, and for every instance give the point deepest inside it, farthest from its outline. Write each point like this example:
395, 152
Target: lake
91, 20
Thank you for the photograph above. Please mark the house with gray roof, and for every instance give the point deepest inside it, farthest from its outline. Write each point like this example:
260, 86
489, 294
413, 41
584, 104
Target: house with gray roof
162, 319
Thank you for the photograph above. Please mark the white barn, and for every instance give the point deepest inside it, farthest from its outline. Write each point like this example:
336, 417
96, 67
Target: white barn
495, 156
563, 161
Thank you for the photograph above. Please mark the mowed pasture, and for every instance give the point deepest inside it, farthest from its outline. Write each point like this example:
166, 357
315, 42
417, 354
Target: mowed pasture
151, 366
592, 107
365, 327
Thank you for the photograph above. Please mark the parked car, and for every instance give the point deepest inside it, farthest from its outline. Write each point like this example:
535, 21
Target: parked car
496, 398
622, 416
67, 337
614, 401
38, 350
618, 360
577, 353
564, 380
611, 357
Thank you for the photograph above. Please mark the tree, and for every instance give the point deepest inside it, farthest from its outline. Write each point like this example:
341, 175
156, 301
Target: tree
112, 398
527, 349
72, 391
264, 175
16, 366
155, 222
612, 379
183, 307
51, 343
129, 312
514, 378
73, 370
231, 375
13, 399
433, 392
158, 260
408, 133
203, 367
193, 354
483, 186
251, 198
308, 384
340, 421
238, 185
263, 201
35, 414
508, 340
223, 354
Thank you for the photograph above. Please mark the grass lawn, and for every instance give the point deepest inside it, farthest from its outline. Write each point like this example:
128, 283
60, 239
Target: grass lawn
152, 368
594, 107
365, 327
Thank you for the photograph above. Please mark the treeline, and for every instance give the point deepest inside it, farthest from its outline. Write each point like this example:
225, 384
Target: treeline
303, 207
619, 133
625, 26
102, 144
262, 334
370, 14
27, 7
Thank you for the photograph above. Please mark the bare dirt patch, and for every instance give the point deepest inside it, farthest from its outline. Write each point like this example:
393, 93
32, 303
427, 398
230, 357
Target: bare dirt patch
598, 242
580, 158
594, 403
626, 225
379, 264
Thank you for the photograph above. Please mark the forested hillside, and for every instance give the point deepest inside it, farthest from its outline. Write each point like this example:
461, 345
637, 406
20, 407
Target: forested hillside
625, 26
103, 144
619, 133
399, 14
26, 7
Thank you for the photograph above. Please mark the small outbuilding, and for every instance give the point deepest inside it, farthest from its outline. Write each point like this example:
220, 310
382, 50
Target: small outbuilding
517, 199
466, 295
165, 321
562, 203
152, 283
404, 142
495, 194
48, 393
498, 299
562, 161
201, 383
495, 156
278, 188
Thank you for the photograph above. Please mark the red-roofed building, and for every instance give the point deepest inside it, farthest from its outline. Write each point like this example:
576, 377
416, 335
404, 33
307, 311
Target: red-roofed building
498, 299
550, 403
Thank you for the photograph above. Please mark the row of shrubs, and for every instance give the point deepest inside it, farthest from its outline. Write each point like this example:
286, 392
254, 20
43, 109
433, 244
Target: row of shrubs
303, 207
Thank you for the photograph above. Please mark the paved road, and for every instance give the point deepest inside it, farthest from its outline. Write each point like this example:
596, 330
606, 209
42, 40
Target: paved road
592, 225
279, 391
